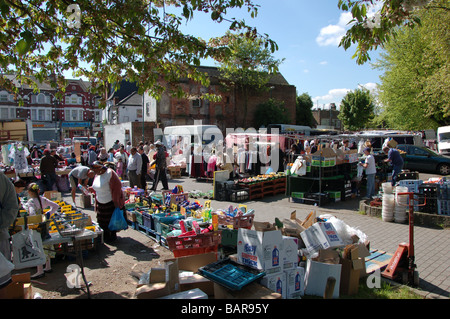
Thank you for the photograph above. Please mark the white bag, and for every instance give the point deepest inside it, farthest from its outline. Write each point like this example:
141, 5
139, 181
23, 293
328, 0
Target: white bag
28, 250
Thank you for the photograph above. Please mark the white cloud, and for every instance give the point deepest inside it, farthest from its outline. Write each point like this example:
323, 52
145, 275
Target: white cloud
332, 33
323, 63
372, 87
336, 95
333, 96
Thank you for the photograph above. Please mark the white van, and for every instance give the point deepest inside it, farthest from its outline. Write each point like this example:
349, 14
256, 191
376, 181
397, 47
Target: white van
443, 139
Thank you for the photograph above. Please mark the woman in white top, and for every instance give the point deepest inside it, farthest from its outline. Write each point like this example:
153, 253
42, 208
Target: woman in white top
107, 188
371, 170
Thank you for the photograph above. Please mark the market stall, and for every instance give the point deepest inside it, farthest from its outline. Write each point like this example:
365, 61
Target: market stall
68, 232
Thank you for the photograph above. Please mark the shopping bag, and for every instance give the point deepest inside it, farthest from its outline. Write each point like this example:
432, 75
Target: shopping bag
28, 250
118, 221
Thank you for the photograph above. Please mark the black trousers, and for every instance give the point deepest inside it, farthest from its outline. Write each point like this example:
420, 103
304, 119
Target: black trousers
160, 175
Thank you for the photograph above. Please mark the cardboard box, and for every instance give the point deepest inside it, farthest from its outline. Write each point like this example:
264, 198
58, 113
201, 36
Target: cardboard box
316, 277
295, 282
260, 250
263, 226
353, 267
321, 235
251, 291
160, 289
191, 264
19, 288
290, 252
53, 195
84, 201
276, 282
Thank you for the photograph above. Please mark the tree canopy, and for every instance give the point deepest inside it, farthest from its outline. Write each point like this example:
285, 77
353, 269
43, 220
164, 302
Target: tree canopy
372, 30
107, 40
357, 109
415, 86
304, 105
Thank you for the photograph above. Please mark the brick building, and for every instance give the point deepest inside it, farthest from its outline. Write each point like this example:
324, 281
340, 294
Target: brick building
327, 118
226, 113
49, 118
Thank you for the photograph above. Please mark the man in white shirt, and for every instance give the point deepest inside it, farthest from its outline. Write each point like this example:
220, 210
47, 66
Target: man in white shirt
371, 170
134, 168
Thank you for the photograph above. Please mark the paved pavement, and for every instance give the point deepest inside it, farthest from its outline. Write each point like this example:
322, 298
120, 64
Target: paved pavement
432, 253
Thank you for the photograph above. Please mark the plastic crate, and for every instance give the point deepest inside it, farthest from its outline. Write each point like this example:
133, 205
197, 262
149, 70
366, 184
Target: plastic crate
236, 221
147, 220
230, 274
229, 237
443, 207
165, 218
408, 176
139, 217
197, 241
297, 195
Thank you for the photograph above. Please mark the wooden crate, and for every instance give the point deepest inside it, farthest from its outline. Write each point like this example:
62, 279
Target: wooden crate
174, 171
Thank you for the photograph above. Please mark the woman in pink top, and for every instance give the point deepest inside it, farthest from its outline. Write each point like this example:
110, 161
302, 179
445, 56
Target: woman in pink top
35, 206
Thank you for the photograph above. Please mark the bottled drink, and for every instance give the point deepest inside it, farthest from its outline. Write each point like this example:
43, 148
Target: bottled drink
83, 189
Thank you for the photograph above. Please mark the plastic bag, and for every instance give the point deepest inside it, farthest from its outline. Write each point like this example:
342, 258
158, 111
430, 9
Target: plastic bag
118, 221
28, 250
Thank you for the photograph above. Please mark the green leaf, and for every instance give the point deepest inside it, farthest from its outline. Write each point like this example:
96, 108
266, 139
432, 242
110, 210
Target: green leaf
22, 46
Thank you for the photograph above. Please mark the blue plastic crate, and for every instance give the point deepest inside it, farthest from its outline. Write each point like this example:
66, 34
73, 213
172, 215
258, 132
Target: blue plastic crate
231, 274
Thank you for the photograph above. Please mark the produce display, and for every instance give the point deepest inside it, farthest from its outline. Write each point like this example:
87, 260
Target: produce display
261, 178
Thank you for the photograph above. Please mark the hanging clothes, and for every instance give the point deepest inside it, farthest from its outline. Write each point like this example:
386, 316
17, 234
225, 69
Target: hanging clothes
19, 155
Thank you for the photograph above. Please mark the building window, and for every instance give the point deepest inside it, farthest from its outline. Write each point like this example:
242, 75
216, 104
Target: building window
4, 96
4, 112
197, 103
74, 99
97, 116
139, 113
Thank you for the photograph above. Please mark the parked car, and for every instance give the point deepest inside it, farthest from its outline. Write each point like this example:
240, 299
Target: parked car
423, 159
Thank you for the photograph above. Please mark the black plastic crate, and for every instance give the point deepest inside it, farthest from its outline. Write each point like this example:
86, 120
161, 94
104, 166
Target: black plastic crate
408, 175
431, 204
430, 190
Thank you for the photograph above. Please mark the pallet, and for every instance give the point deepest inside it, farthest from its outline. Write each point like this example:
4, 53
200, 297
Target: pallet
377, 260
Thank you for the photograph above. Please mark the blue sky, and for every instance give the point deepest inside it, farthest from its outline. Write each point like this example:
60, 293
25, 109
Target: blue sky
307, 33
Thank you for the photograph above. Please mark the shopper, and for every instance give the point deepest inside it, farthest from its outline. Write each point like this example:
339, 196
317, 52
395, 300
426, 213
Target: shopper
145, 167
36, 205
79, 175
107, 188
102, 155
124, 156
396, 160
371, 171
134, 168
161, 166
48, 170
